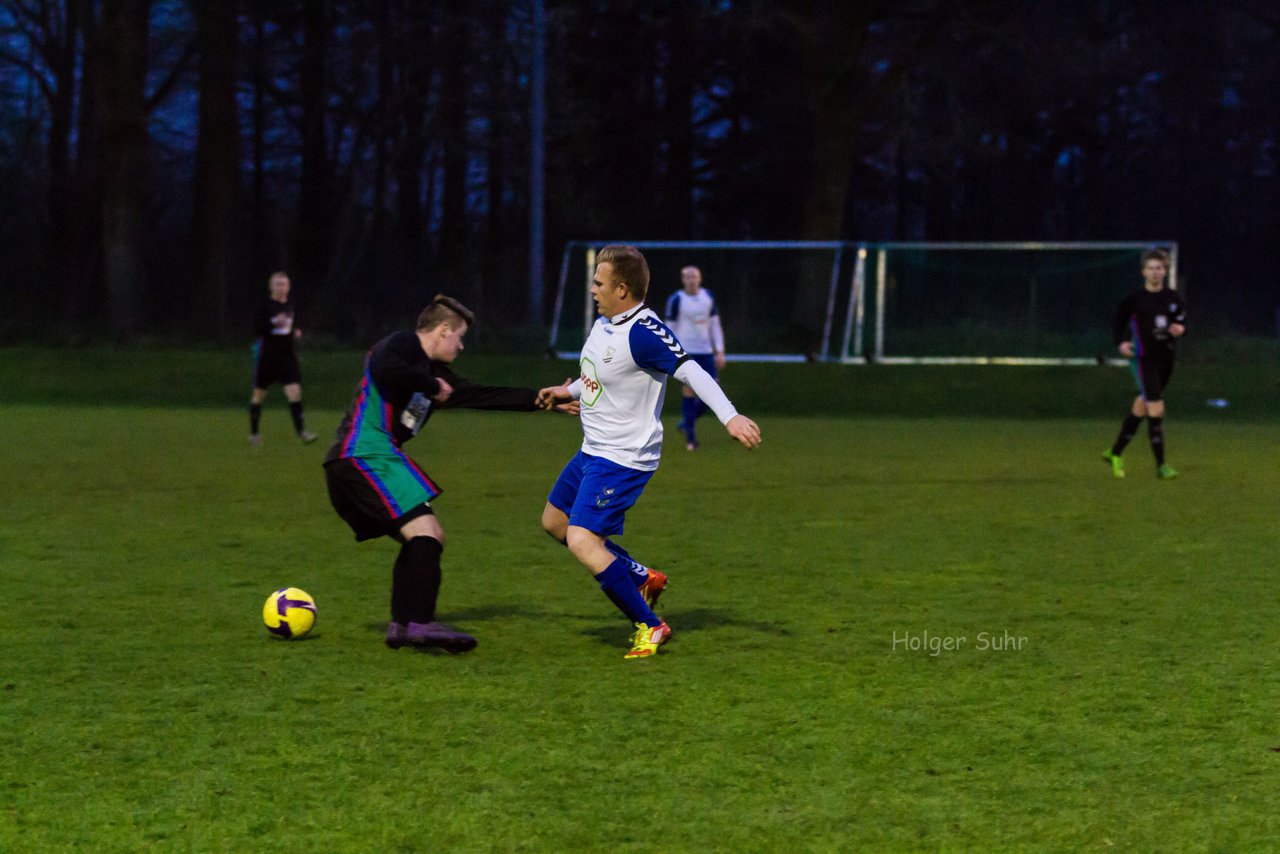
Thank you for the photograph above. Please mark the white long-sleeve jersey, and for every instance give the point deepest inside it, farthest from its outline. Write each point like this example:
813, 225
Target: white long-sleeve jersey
624, 368
695, 321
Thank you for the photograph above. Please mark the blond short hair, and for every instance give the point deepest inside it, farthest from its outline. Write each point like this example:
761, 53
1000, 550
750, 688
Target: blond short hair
629, 266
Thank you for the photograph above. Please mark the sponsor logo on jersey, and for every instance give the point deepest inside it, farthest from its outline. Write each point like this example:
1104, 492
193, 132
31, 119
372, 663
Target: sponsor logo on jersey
415, 412
591, 387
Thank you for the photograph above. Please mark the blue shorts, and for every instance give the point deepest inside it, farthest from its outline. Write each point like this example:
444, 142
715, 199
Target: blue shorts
596, 493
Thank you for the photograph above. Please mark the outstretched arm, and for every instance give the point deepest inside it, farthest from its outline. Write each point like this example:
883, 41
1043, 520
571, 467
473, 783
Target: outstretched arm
745, 431
562, 398
739, 426
468, 395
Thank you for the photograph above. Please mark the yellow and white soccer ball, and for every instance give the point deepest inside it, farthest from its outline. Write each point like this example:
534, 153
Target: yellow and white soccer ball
289, 612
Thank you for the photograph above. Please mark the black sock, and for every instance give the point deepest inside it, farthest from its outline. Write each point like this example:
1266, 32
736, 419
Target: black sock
255, 417
295, 409
415, 581
1127, 430
1155, 431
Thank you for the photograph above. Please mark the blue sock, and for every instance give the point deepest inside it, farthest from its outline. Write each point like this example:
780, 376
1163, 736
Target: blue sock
639, 572
615, 581
689, 414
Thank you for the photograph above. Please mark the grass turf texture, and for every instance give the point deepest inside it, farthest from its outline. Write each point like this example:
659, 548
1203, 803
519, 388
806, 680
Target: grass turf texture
145, 705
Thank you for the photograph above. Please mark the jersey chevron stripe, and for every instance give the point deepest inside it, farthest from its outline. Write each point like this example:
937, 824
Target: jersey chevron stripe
663, 335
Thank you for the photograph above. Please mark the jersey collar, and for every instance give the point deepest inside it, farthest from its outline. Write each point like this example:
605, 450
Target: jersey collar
625, 316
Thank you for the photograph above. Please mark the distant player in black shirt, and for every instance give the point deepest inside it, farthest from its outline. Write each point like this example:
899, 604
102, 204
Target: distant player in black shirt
274, 360
379, 491
1148, 323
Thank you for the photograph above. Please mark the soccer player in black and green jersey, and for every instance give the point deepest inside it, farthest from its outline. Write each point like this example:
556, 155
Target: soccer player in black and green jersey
379, 491
1148, 323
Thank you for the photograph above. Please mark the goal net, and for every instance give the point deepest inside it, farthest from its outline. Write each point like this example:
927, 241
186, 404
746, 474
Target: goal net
995, 303
777, 300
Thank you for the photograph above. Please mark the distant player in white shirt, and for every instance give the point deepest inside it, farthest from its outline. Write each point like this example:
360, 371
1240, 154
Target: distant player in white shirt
623, 380
692, 315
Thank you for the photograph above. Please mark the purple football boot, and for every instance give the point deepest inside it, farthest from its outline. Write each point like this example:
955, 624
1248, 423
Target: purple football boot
428, 635
397, 634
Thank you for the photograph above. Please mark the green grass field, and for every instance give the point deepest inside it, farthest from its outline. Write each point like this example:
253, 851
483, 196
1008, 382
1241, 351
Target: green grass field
1116, 685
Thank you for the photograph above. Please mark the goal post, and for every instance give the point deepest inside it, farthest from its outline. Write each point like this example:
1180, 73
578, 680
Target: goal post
778, 299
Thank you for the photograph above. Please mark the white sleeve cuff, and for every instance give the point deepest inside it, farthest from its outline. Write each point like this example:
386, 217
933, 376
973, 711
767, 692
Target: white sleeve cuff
575, 388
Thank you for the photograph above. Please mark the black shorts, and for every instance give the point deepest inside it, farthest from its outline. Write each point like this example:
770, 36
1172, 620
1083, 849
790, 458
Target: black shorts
1152, 375
269, 368
377, 497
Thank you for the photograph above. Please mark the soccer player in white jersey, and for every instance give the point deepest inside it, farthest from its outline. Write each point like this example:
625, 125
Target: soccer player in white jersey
692, 314
624, 368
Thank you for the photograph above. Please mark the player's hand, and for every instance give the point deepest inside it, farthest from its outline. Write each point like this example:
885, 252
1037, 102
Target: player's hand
744, 430
719, 361
551, 395
571, 408
1126, 349
445, 390
1176, 329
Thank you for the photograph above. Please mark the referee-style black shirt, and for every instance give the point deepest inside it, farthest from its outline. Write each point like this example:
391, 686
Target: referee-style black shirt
1144, 317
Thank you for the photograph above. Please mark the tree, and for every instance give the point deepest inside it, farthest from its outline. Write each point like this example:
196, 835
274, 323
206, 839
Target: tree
313, 238
124, 31
217, 178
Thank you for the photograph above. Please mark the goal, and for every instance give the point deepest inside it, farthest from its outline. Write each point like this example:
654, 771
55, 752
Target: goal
993, 303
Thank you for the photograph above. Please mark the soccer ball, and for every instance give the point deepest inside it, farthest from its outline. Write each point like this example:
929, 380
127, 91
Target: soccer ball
289, 612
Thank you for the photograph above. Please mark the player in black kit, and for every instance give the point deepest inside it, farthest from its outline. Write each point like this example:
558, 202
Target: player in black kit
1148, 323
274, 360
378, 490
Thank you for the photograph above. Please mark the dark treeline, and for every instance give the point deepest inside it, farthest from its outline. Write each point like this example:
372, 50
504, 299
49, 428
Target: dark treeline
160, 157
